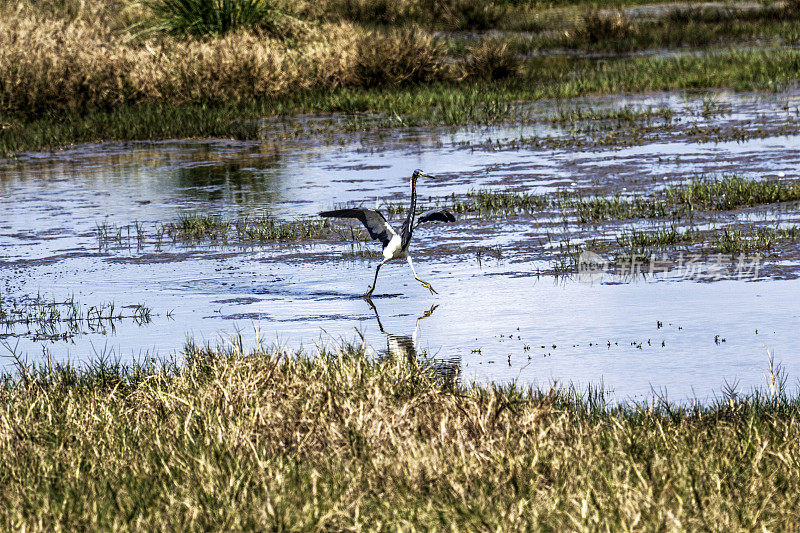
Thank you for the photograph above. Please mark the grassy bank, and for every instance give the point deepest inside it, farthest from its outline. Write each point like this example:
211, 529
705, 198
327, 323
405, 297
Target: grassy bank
75, 73
432, 104
234, 441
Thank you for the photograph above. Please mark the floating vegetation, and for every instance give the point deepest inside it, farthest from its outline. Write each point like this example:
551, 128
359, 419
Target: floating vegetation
751, 239
196, 228
626, 115
660, 237
44, 319
730, 192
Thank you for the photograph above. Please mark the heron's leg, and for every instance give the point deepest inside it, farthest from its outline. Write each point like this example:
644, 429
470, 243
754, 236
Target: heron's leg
375, 310
425, 315
374, 281
424, 283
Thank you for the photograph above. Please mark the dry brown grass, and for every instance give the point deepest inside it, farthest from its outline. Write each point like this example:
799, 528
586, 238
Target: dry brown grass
441, 14
489, 59
598, 26
116, 14
397, 57
77, 55
266, 441
49, 64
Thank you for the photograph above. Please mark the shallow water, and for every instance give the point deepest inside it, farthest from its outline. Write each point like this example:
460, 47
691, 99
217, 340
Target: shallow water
495, 319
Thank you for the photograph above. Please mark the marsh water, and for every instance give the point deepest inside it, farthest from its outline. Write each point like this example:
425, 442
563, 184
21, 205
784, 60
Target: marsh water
500, 315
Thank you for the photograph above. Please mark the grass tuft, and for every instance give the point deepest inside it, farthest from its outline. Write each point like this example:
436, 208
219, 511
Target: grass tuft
398, 57
490, 59
600, 26
729, 192
218, 17
736, 241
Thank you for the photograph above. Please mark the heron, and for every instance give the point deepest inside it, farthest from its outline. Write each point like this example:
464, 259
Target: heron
395, 245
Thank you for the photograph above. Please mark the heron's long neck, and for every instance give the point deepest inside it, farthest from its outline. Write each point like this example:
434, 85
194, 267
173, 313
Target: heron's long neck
413, 208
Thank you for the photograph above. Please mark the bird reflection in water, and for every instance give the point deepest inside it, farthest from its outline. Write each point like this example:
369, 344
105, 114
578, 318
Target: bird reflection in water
405, 346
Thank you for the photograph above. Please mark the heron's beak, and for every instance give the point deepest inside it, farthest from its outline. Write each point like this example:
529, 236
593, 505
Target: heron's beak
425, 175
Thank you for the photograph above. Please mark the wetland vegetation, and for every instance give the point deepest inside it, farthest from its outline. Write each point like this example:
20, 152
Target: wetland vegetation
679, 218
47, 319
231, 439
120, 69
239, 437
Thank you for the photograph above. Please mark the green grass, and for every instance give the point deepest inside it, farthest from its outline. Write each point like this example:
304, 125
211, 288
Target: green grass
617, 207
680, 27
554, 77
241, 441
660, 237
194, 227
215, 17
731, 192
713, 194
623, 116
482, 202
737, 240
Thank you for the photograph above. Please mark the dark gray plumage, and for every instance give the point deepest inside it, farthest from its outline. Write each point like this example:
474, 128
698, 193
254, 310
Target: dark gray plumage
376, 224
435, 215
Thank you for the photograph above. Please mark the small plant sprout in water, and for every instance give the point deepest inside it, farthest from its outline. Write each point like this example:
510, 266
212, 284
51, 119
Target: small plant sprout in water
43, 319
495, 252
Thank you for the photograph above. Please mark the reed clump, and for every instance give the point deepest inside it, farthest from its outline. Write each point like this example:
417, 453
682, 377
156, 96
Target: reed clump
218, 17
397, 57
233, 440
489, 59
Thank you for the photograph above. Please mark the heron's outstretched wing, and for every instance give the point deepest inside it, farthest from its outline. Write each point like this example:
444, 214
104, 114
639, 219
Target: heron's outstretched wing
437, 215
373, 220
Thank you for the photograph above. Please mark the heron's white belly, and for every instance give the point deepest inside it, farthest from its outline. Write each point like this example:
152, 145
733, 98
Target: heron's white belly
394, 250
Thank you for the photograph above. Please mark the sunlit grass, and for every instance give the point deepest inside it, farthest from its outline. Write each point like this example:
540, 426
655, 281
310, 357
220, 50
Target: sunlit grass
713, 194
194, 227
729, 192
231, 440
